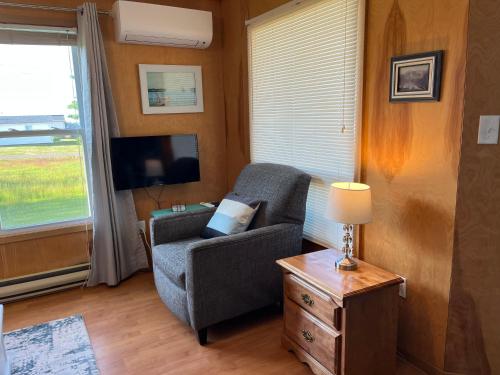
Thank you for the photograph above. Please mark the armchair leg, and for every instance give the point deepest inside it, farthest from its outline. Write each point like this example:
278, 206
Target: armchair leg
202, 336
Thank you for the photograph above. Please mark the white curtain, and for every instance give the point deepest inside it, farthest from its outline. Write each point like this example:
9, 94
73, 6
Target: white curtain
118, 250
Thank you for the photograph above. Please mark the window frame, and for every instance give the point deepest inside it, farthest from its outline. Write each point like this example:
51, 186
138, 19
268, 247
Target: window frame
45, 230
84, 224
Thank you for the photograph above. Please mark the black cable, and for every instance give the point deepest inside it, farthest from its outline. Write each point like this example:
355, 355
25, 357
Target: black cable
157, 200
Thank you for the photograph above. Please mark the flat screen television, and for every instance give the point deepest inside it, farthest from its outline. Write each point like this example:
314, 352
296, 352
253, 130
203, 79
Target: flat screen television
160, 160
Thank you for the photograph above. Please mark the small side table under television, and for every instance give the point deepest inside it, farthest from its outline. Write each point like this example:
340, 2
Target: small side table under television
168, 211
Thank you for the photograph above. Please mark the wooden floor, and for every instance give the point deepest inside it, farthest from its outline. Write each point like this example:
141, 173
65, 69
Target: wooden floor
132, 332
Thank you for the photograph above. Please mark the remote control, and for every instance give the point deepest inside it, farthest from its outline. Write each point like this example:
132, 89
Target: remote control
209, 205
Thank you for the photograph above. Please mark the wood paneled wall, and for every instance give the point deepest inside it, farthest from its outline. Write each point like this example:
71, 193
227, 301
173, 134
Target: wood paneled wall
30, 253
122, 62
235, 64
473, 341
410, 159
235, 57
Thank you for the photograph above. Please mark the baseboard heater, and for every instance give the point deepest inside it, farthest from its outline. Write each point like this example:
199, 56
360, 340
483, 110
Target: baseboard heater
43, 283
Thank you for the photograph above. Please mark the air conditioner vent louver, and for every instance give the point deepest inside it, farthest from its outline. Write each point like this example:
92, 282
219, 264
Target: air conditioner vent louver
165, 41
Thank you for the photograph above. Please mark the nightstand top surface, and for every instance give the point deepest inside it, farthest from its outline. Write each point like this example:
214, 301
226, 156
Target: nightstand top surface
318, 268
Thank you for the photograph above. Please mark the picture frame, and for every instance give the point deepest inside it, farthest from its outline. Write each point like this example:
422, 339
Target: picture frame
171, 89
416, 77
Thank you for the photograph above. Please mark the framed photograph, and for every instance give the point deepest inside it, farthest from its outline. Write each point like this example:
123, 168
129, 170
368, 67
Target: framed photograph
416, 77
171, 89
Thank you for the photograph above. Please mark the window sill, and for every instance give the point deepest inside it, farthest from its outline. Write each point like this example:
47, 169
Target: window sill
43, 231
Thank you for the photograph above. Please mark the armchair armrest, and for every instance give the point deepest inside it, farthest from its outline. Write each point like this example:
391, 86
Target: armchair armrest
179, 225
227, 276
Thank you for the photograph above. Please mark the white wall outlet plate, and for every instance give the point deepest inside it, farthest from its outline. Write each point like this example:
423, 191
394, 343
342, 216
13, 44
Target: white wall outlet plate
402, 287
141, 225
488, 130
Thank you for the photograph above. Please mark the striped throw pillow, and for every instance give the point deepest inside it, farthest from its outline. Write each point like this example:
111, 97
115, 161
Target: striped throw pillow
234, 215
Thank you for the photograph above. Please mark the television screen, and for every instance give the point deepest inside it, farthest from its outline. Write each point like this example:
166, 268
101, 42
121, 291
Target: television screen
161, 160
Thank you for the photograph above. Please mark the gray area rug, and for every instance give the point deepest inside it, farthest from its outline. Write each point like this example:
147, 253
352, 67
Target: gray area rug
58, 347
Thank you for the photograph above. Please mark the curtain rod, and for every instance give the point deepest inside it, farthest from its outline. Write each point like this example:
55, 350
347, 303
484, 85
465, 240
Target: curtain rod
46, 7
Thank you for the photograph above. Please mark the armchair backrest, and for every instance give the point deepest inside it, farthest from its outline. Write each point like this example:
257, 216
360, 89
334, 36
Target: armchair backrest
281, 188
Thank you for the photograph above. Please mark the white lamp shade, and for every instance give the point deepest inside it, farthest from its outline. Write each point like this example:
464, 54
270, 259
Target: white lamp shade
350, 203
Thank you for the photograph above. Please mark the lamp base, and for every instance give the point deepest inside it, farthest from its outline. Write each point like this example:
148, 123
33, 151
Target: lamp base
346, 263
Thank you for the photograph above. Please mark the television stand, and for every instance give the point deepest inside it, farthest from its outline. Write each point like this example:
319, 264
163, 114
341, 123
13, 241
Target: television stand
168, 211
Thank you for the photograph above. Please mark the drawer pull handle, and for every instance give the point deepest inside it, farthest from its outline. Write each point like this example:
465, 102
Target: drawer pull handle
307, 299
307, 335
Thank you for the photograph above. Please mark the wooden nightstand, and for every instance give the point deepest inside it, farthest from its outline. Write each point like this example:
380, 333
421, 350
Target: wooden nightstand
340, 322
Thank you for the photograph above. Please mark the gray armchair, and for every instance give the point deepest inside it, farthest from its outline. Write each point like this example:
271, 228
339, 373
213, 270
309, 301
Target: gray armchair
206, 281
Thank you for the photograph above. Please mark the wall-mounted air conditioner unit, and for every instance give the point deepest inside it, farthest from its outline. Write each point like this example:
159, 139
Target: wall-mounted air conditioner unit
142, 23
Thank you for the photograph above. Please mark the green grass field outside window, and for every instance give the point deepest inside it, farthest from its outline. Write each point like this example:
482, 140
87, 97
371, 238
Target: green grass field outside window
42, 184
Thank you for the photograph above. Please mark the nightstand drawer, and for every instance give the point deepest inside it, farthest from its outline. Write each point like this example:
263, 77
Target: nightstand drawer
311, 299
315, 337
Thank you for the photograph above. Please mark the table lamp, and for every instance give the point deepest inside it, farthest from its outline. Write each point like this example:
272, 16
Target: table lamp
349, 203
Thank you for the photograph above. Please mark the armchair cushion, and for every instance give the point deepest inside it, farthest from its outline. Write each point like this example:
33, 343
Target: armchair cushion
170, 259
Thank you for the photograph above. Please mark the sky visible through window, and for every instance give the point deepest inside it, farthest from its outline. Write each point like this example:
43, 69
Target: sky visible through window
42, 176
35, 80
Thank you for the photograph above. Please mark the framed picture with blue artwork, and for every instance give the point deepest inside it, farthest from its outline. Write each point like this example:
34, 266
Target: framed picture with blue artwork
171, 89
416, 78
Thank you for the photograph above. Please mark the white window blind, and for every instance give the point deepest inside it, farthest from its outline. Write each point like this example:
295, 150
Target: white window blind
305, 76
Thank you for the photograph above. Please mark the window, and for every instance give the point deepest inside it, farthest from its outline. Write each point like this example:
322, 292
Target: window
42, 164
305, 72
